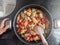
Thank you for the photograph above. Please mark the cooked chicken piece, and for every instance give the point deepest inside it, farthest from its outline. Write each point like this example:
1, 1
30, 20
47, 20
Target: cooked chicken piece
22, 27
25, 11
28, 18
26, 23
42, 25
18, 18
34, 20
36, 38
33, 10
32, 31
40, 13
27, 36
33, 14
31, 26
22, 15
28, 12
23, 31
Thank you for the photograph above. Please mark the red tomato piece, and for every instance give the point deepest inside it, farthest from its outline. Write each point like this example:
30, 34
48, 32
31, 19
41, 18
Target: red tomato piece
34, 35
29, 22
18, 30
44, 20
24, 20
30, 37
18, 23
22, 24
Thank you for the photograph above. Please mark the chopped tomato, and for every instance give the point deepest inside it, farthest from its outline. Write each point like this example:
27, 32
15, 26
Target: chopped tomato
22, 24
24, 20
18, 30
30, 37
18, 22
30, 22
34, 35
44, 20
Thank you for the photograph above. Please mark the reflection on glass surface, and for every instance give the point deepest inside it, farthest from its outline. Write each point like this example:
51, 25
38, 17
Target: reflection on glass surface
1, 13
6, 7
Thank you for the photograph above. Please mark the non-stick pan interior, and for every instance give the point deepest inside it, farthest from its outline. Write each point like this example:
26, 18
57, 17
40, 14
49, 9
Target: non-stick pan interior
37, 7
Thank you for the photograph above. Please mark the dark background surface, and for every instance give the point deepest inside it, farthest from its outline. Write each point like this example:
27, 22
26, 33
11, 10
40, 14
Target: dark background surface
53, 6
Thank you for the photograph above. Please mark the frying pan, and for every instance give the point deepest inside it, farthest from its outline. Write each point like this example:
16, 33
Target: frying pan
46, 14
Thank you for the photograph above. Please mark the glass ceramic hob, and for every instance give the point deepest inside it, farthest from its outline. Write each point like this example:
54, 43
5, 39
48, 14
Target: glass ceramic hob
53, 6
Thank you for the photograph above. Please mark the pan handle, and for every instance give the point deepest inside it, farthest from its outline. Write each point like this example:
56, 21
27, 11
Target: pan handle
9, 22
56, 23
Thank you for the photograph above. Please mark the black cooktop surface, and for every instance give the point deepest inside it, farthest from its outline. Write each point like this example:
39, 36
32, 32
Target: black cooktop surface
53, 6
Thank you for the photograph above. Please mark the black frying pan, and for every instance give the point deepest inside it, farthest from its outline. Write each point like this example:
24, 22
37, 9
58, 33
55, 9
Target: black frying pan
46, 14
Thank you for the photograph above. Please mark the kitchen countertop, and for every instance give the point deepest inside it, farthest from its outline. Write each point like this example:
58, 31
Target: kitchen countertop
53, 6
